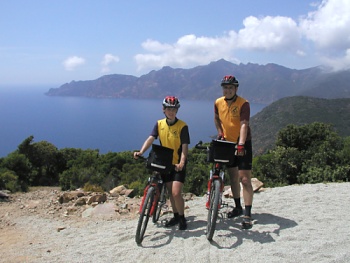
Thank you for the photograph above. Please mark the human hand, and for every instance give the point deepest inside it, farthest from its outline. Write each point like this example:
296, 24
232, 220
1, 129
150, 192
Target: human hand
240, 151
220, 137
137, 154
179, 167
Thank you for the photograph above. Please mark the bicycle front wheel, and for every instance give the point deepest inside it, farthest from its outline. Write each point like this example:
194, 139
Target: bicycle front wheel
160, 203
144, 215
213, 209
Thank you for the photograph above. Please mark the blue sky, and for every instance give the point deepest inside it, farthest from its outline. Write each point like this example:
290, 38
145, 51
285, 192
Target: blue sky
47, 42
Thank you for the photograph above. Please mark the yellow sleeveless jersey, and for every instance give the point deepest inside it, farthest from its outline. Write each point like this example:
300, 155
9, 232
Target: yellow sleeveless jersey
169, 136
230, 117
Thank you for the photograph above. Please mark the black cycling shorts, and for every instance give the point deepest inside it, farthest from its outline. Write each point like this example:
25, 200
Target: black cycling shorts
175, 176
244, 162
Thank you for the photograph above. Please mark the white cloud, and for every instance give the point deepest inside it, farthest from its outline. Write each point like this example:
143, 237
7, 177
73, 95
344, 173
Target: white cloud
329, 29
339, 63
72, 63
325, 31
188, 51
269, 33
108, 59
329, 25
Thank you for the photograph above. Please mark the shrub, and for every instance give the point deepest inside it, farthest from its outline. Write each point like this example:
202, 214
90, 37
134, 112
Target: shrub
9, 181
92, 188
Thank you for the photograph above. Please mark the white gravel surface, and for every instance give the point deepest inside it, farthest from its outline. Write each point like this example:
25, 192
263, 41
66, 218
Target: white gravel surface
306, 223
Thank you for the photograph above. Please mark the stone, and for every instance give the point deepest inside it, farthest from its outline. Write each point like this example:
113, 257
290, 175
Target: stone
99, 198
119, 190
66, 197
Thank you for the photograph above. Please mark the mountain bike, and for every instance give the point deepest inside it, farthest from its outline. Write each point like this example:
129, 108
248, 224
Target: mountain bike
155, 192
219, 153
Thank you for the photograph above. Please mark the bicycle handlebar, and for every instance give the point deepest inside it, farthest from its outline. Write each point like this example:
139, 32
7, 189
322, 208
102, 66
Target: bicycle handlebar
142, 158
199, 146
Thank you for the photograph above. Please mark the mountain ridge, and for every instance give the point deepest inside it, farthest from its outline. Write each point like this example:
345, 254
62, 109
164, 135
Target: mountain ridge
258, 83
298, 110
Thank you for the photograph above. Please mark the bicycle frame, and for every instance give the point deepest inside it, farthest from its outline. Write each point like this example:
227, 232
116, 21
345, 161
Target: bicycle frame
215, 189
217, 173
150, 204
153, 181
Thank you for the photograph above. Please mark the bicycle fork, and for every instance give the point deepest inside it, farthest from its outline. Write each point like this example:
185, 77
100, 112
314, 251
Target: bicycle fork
154, 202
210, 182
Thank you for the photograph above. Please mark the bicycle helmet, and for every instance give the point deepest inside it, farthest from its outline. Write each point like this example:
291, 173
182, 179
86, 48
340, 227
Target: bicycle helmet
171, 102
229, 80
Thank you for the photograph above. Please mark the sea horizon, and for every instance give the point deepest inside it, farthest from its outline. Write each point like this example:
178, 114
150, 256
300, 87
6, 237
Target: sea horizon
106, 124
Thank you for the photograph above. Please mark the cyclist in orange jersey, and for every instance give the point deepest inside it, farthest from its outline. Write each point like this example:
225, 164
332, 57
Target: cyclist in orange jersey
231, 118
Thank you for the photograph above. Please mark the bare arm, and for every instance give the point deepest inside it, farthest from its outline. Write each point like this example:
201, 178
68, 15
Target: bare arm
243, 132
245, 115
181, 164
145, 146
218, 124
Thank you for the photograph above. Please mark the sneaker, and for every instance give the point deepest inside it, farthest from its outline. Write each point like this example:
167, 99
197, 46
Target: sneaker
182, 224
172, 222
235, 212
247, 222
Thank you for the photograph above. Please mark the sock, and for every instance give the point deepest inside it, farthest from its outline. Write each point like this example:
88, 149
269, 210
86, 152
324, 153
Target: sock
176, 215
238, 202
248, 209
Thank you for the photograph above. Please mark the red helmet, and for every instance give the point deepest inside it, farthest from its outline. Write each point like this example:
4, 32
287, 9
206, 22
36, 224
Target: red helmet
171, 102
229, 80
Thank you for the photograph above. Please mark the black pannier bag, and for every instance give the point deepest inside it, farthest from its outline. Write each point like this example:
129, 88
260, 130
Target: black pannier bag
221, 152
160, 159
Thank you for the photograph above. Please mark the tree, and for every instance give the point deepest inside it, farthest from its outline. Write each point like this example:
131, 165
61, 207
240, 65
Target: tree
46, 162
304, 154
9, 181
21, 167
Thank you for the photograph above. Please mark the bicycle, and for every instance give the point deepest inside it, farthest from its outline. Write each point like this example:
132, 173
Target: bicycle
219, 153
155, 192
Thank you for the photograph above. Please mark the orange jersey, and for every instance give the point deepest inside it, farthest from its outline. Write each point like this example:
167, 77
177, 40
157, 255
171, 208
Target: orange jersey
231, 117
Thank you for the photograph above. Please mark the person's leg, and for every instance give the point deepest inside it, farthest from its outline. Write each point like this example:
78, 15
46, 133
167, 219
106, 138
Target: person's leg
245, 176
178, 204
169, 186
236, 192
234, 181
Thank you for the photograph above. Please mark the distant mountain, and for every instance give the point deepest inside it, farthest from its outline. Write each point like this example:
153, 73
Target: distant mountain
298, 110
258, 83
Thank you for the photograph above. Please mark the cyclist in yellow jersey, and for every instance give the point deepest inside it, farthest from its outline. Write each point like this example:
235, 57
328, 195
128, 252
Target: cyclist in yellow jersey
231, 118
173, 133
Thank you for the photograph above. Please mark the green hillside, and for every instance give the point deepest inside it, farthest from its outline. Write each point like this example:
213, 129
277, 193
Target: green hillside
299, 111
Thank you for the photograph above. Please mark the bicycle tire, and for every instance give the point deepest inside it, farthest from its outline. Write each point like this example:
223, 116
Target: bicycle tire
144, 216
160, 203
213, 208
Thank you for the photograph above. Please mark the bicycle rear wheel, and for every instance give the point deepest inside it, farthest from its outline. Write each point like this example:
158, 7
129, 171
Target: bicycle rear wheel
160, 204
213, 209
144, 215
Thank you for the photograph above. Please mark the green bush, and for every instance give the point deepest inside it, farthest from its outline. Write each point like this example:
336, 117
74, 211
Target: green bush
9, 181
93, 188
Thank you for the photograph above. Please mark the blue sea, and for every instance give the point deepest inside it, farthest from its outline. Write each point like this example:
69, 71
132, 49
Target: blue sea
110, 125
